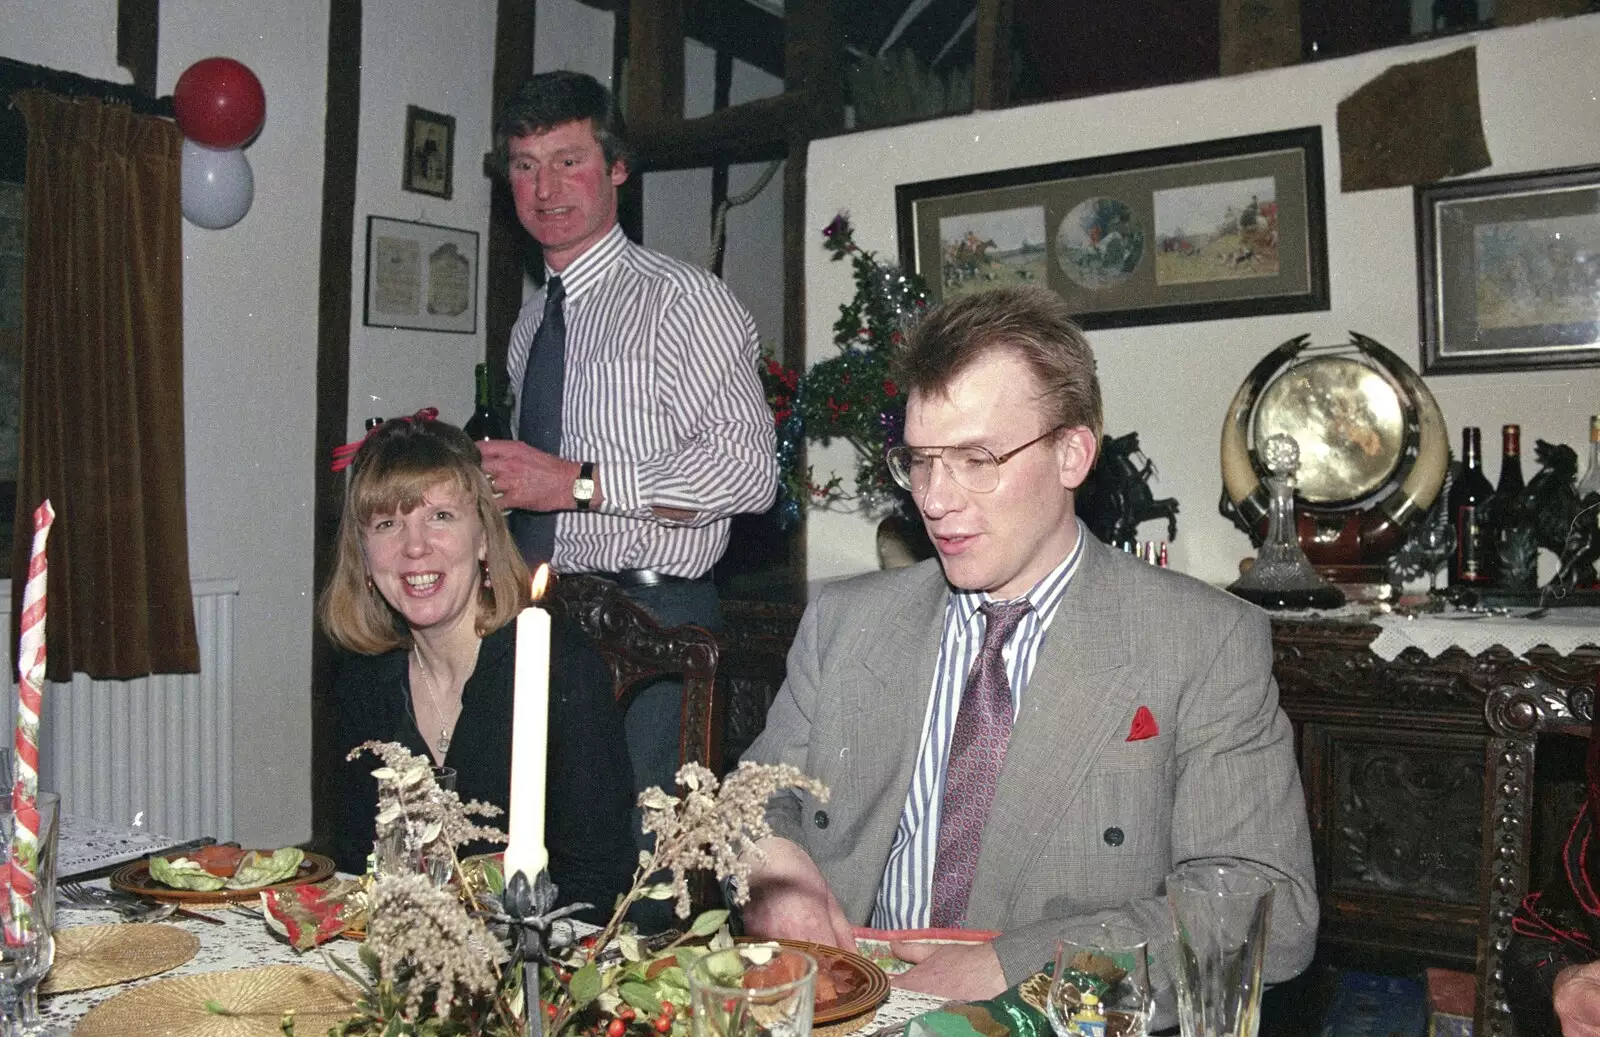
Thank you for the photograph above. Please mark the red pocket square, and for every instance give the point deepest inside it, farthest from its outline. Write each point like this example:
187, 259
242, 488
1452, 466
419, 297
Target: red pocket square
1144, 726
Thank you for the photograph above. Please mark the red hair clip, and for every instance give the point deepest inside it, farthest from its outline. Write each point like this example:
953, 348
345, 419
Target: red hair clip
343, 455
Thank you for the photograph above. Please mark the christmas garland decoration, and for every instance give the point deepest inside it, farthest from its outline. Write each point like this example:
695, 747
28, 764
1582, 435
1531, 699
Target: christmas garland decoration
849, 396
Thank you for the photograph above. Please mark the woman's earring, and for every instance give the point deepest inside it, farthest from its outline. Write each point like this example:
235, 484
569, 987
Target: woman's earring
483, 567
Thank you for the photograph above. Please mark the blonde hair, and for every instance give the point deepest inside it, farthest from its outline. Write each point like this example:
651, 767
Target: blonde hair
398, 462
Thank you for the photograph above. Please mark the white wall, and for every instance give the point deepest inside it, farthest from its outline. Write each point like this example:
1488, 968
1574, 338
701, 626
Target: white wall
677, 203
1173, 382
573, 36
438, 57
250, 342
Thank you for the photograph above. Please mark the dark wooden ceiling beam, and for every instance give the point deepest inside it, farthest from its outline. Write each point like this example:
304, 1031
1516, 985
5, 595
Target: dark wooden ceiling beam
655, 64
751, 132
736, 27
138, 40
991, 73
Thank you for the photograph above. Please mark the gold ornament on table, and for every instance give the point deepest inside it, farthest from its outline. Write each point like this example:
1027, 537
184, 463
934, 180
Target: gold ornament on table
444, 957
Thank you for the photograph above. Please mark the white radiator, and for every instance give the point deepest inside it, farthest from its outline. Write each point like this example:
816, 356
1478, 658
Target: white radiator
156, 752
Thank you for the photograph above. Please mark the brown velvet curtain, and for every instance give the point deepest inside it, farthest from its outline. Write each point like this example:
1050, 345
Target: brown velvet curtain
102, 388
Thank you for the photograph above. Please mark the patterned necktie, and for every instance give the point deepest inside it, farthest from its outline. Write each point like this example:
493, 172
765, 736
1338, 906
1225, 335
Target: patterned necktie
977, 749
539, 420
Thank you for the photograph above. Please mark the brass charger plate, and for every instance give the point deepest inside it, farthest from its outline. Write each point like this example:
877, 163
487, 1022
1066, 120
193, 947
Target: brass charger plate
253, 1002
89, 956
135, 878
863, 985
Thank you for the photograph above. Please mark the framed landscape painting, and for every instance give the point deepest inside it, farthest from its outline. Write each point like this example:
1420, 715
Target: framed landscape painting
1509, 268
1226, 228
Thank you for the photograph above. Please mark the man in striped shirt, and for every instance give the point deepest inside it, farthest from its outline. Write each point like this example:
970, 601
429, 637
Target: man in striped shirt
642, 426
1036, 783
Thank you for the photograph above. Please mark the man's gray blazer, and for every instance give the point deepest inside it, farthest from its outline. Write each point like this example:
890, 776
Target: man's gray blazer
1085, 825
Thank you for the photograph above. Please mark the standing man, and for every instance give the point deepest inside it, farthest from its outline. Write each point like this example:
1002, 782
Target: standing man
641, 425
1028, 733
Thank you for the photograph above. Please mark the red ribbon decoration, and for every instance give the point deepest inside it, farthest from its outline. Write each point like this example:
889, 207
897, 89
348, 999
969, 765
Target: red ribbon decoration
344, 455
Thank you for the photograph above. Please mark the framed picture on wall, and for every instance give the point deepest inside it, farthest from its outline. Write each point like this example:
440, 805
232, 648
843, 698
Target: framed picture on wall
1509, 269
1225, 228
421, 276
430, 152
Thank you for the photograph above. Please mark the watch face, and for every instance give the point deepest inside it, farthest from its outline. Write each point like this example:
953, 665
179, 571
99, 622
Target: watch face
583, 489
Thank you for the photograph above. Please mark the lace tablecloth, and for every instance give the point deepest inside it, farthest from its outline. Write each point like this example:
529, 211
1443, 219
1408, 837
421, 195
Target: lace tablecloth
244, 941
1562, 629
85, 846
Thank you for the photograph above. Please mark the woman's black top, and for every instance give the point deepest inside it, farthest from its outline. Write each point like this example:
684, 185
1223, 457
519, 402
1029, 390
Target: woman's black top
589, 790
372, 703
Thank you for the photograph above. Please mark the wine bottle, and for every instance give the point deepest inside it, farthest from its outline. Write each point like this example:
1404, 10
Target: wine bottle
1470, 564
1590, 483
1514, 537
484, 423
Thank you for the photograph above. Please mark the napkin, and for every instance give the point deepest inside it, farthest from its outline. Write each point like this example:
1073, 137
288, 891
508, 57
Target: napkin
317, 912
1018, 1012
875, 943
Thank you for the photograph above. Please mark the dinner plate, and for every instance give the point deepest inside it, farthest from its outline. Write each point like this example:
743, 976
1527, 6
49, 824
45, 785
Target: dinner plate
862, 985
135, 878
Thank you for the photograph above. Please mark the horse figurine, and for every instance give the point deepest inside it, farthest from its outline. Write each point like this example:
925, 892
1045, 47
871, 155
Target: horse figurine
1116, 497
1562, 523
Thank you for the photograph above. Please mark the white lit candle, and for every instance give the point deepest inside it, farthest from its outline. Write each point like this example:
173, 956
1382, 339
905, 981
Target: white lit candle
530, 736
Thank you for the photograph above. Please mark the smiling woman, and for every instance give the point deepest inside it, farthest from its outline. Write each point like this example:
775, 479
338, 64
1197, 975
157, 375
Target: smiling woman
425, 585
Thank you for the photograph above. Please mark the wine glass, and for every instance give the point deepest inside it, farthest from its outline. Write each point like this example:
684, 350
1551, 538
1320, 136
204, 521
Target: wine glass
27, 949
1100, 984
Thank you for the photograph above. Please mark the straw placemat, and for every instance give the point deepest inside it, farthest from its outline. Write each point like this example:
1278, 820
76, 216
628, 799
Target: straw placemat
90, 956
244, 1003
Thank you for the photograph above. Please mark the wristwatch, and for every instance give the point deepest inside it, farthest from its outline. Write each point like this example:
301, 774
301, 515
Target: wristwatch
583, 486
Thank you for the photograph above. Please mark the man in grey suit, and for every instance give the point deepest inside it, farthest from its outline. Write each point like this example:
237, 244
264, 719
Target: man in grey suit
1138, 724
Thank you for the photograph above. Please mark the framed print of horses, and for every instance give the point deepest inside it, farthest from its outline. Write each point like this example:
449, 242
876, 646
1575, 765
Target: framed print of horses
1510, 271
1224, 228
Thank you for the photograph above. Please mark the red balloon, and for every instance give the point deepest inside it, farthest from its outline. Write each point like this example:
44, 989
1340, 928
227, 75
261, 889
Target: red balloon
219, 103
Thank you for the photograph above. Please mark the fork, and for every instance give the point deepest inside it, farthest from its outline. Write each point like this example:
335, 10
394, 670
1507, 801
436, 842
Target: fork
132, 909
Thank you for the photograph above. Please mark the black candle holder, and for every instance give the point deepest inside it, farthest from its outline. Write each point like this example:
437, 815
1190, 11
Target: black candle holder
524, 918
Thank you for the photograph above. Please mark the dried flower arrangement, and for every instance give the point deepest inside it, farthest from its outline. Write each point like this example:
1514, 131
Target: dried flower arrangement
443, 957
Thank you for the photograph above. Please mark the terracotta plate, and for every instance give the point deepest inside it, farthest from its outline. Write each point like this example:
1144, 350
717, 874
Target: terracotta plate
135, 878
862, 986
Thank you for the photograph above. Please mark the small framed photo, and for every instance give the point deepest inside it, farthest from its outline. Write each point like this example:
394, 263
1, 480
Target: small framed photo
430, 152
1223, 228
1509, 269
421, 276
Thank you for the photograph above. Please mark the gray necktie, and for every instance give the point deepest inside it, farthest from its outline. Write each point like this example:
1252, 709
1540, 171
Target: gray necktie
539, 420
977, 749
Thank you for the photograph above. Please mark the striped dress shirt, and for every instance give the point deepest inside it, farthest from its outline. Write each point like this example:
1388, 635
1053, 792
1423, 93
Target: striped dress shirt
662, 392
905, 897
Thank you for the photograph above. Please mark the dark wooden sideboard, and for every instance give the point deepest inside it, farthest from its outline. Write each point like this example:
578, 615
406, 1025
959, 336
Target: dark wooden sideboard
1418, 773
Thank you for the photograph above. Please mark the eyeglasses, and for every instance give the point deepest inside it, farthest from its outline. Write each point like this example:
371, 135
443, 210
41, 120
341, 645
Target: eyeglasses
972, 467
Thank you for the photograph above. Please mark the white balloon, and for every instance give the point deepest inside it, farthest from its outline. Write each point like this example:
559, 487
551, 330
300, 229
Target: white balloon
218, 186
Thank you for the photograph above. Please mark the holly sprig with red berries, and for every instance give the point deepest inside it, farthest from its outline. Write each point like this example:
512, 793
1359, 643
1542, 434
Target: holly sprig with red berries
850, 396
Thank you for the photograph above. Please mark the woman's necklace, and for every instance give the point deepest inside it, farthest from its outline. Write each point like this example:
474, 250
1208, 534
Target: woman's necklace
433, 702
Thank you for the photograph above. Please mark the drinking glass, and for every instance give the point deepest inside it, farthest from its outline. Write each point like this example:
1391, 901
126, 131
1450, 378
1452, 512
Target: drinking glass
399, 854
1221, 911
753, 990
27, 949
1111, 963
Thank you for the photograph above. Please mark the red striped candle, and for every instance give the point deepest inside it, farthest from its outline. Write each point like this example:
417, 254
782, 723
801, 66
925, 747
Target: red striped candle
21, 874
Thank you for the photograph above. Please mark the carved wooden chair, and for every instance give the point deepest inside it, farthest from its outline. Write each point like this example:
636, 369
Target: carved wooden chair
640, 651
1550, 696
